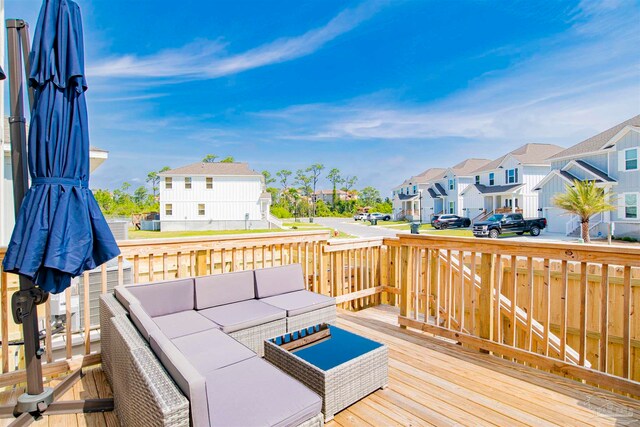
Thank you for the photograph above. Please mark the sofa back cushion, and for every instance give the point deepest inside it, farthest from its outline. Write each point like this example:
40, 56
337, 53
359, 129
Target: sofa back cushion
162, 298
144, 323
221, 289
188, 379
279, 280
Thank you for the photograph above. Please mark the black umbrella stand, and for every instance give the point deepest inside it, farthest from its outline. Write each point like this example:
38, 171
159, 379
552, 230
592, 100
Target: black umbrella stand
37, 400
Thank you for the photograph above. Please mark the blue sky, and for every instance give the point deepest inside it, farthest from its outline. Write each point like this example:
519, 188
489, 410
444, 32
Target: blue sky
381, 90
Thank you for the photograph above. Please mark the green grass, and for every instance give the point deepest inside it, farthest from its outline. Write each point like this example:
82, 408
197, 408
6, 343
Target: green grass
139, 234
449, 232
405, 226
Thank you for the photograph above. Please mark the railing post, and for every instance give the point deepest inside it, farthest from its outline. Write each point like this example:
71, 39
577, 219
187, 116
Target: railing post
201, 263
383, 260
406, 284
487, 286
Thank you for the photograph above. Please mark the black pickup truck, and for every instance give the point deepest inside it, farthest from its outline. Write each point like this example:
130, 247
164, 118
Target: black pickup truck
498, 224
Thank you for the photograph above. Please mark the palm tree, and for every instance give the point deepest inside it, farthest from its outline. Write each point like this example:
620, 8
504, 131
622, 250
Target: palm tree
584, 199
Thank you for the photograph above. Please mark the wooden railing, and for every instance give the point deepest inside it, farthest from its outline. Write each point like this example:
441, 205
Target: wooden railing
574, 303
564, 308
507, 210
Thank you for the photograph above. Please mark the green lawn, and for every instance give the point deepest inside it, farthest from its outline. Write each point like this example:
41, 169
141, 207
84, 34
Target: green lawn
403, 225
138, 234
464, 232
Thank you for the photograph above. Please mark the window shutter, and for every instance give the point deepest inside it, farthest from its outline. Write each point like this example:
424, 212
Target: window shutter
621, 206
621, 161
516, 174
506, 176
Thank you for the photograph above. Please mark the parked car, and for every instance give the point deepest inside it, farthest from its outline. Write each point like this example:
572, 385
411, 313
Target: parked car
360, 217
498, 224
378, 216
434, 219
447, 221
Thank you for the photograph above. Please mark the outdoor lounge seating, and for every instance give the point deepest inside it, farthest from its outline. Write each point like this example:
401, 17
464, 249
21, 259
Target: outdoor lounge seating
208, 333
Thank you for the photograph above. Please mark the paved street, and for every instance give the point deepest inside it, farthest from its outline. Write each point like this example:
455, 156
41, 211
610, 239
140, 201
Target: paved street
356, 228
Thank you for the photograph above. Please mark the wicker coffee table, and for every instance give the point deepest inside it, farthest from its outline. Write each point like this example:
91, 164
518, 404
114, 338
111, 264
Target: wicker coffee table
342, 367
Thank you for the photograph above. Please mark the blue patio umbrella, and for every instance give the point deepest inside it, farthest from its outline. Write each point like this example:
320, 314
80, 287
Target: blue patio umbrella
60, 231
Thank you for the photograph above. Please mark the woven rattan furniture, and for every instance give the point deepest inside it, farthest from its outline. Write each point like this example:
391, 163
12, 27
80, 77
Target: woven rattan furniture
316, 317
342, 368
144, 394
254, 337
109, 308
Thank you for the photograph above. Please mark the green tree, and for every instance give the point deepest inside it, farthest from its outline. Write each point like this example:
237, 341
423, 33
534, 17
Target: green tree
283, 175
304, 185
268, 179
314, 171
105, 201
228, 159
335, 179
154, 179
369, 196
209, 158
141, 195
584, 199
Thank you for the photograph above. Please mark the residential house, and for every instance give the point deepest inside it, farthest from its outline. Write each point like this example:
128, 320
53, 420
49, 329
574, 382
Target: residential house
507, 184
411, 199
611, 159
327, 195
7, 212
214, 196
446, 192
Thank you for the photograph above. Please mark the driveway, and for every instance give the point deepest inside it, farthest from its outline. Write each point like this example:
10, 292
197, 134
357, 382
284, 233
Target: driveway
356, 228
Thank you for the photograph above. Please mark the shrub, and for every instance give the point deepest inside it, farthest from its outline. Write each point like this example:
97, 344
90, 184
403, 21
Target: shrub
280, 212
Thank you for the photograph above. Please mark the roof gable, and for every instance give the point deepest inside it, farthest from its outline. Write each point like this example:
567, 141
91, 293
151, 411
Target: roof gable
527, 154
218, 168
597, 142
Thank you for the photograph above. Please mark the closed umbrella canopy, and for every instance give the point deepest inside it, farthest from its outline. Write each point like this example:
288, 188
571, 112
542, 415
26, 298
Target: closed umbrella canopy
60, 231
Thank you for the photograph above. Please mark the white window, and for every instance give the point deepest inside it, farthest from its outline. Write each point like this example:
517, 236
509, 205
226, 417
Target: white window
168, 183
492, 179
452, 184
187, 183
511, 176
415, 189
201, 209
168, 209
631, 206
209, 183
452, 207
631, 159
477, 179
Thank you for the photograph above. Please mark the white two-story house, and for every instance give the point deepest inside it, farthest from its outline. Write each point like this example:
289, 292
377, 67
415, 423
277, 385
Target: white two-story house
507, 184
213, 196
447, 191
611, 159
412, 200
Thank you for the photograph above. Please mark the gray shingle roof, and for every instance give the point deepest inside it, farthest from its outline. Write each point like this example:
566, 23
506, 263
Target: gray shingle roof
528, 154
596, 142
429, 175
466, 167
432, 193
440, 189
495, 189
218, 168
597, 172
407, 196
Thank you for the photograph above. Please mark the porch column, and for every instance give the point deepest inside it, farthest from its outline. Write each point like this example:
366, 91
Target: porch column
513, 203
495, 200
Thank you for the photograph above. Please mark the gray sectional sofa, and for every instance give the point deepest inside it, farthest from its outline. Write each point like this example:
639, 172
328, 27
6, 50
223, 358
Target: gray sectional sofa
205, 336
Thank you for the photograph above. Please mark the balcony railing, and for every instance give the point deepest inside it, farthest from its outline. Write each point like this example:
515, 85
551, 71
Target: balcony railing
564, 308
508, 210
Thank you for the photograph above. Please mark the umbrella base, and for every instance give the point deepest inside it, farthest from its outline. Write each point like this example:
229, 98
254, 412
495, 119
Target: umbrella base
34, 402
30, 408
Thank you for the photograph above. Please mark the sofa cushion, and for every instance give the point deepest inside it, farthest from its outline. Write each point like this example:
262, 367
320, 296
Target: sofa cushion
243, 315
255, 393
144, 323
188, 379
184, 323
211, 350
124, 296
279, 280
300, 302
160, 298
227, 288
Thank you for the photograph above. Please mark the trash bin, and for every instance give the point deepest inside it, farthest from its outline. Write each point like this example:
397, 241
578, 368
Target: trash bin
415, 227
374, 221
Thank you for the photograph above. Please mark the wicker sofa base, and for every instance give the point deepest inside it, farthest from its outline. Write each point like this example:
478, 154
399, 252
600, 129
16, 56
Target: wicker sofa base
341, 386
254, 337
144, 393
109, 308
323, 315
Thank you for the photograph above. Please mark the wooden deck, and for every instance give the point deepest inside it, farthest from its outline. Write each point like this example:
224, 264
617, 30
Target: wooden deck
434, 382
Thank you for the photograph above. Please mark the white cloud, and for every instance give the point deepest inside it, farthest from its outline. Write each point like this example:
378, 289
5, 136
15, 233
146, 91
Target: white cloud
207, 59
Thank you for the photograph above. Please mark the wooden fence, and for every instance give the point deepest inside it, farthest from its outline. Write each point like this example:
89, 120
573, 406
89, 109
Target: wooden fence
565, 308
561, 307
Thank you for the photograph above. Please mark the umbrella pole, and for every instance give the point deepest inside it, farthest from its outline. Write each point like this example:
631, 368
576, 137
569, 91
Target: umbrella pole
24, 302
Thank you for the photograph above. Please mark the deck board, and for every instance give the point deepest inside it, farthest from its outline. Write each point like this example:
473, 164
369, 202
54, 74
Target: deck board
432, 383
